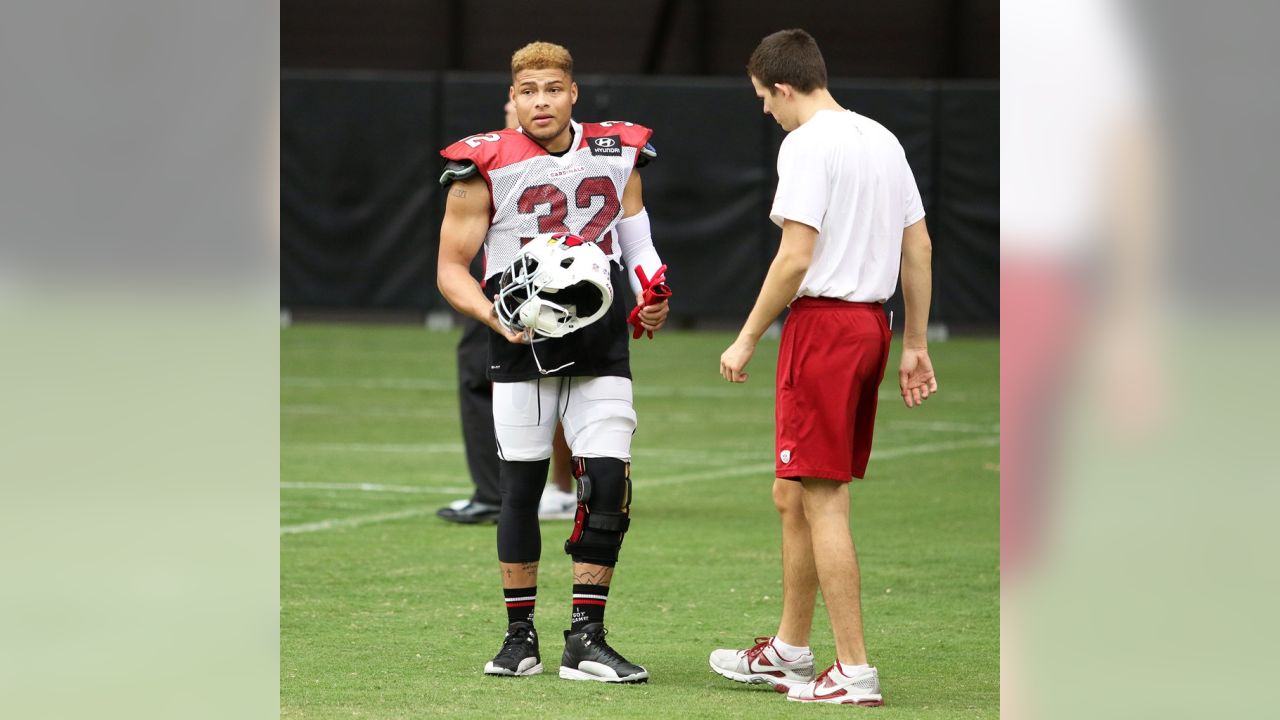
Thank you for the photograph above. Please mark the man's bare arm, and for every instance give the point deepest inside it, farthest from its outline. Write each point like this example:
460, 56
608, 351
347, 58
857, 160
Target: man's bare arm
917, 284
915, 372
466, 222
632, 195
786, 272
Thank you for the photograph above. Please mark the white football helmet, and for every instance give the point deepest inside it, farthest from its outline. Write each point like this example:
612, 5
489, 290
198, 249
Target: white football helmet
557, 283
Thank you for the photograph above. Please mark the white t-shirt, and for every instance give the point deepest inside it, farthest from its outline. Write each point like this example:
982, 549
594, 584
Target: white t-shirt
847, 176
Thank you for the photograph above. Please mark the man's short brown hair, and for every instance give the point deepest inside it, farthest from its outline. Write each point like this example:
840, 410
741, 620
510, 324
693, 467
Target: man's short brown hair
791, 57
541, 56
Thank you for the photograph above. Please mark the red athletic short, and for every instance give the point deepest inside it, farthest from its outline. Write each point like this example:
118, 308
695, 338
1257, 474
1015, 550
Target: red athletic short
830, 365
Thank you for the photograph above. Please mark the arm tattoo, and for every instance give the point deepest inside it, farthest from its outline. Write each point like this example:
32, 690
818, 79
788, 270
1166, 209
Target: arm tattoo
458, 193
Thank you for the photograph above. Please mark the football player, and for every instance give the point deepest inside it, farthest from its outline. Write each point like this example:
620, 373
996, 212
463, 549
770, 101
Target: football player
475, 403
555, 175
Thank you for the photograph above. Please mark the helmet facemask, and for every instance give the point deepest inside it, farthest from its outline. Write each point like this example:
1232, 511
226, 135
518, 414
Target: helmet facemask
557, 284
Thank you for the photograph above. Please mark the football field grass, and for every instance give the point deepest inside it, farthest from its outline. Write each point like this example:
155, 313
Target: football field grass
389, 612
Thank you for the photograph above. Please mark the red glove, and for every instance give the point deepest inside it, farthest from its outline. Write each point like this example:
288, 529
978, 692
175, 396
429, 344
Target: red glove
655, 290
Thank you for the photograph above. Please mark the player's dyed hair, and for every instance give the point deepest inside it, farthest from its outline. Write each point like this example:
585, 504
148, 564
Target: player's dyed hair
541, 56
791, 57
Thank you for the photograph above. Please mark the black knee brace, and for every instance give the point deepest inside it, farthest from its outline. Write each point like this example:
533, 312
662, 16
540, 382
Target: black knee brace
520, 485
604, 504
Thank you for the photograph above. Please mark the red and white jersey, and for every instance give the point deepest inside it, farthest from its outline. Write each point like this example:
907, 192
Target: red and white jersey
535, 192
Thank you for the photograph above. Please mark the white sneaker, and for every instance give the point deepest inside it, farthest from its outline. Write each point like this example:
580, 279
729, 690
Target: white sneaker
764, 664
833, 686
557, 505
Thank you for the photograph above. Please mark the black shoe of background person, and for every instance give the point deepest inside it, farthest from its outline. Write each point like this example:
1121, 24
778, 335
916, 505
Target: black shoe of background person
469, 513
588, 657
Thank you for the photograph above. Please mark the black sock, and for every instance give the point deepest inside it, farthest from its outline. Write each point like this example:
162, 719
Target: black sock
588, 604
520, 604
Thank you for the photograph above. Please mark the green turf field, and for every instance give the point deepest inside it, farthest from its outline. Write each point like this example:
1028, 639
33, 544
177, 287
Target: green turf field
388, 612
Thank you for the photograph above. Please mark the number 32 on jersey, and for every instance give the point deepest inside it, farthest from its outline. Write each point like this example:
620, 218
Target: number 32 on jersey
557, 204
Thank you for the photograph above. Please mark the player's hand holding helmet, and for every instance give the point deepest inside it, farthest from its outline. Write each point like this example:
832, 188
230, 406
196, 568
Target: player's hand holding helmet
557, 283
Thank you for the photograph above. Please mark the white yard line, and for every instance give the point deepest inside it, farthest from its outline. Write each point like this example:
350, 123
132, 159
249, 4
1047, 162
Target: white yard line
376, 488
352, 522
720, 474
754, 469
389, 383
894, 453
712, 389
977, 428
708, 456
767, 469
416, 448
689, 418
643, 390
366, 411
720, 391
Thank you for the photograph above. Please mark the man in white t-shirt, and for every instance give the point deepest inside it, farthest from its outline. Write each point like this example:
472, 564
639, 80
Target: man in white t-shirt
851, 217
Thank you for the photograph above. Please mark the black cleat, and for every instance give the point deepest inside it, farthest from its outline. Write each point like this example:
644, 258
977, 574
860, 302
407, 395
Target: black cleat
470, 513
588, 657
519, 653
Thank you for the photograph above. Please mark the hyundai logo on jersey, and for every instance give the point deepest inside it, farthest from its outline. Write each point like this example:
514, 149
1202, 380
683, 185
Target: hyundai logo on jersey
605, 145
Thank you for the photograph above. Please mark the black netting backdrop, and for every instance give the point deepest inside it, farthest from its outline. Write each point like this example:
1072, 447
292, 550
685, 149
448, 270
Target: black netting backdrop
361, 207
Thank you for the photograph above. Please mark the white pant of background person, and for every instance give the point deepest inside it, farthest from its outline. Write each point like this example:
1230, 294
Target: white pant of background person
596, 412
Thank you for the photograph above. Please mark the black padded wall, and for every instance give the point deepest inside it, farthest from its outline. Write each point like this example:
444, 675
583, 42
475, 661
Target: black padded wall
859, 38
706, 190
361, 207
966, 222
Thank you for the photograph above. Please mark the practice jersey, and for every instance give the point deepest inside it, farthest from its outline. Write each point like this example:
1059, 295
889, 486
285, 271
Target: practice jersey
534, 192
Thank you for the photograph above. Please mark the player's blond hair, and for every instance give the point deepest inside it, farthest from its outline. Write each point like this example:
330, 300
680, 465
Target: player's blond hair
541, 56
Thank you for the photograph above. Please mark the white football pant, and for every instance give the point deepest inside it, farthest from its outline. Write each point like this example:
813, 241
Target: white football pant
596, 412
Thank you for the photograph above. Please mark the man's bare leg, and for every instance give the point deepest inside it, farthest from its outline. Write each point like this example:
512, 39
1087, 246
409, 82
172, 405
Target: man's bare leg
588, 574
826, 506
519, 575
799, 576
